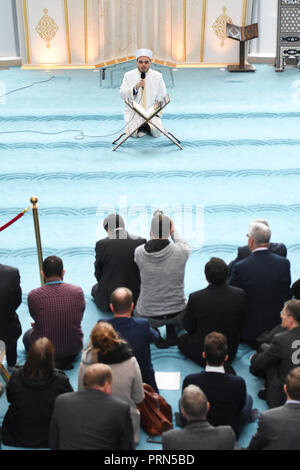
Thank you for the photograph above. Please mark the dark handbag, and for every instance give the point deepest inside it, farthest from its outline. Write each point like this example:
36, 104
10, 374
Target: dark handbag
156, 413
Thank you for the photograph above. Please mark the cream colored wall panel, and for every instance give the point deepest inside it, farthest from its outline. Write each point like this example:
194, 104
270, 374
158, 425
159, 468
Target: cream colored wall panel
118, 28
93, 30
76, 21
89, 32
165, 27
218, 48
193, 30
46, 30
178, 52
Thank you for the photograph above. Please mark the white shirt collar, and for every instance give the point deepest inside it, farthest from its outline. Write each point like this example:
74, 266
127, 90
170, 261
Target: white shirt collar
260, 249
215, 369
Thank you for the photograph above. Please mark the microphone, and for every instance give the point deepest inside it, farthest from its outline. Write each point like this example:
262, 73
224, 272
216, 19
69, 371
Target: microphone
143, 75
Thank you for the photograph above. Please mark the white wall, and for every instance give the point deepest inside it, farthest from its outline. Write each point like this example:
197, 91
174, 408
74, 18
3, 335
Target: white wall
8, 45
265, 14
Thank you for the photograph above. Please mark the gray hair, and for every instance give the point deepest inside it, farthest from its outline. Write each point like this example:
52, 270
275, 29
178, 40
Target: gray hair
260, 232
194, 403
113, 221
262, 221
161, 226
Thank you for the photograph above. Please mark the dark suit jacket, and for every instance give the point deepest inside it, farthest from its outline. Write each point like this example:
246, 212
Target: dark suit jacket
138, 333
216, 308
199, 435
265, 278
278, 429
277, 248
244, 251
226, 394
276, 362
10, 299
90, 420
115, 267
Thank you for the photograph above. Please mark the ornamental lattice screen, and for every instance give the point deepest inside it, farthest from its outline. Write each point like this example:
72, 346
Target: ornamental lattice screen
288, 34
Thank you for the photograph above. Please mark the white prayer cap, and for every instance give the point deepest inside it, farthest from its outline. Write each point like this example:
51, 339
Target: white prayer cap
143, 53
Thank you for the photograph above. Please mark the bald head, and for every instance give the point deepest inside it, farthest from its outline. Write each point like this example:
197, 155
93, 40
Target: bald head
194, 403
121, 301
98, 376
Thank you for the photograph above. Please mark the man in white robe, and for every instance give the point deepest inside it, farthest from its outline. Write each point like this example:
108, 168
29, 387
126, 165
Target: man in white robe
145, 91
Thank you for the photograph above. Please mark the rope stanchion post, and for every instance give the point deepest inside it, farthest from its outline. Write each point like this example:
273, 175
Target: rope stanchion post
34, 201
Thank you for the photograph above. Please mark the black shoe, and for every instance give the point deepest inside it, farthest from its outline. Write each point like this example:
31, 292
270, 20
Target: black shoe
145, 128
262, 394
161, 343
172, 342
254, 415
172, 338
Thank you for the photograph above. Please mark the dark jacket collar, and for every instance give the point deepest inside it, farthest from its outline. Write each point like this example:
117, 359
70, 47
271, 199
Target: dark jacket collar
198, 424
156, 245
293, 405
121, 353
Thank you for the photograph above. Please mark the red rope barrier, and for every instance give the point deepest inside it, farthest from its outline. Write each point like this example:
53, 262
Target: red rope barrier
15, 219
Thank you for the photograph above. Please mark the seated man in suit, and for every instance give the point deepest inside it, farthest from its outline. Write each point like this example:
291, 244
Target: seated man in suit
162, 267
295, 289
10, 299
91, 419
229, 402
136, 331
279, 428
275, 362
265, 278
198, 434
266, 338
114, 264
244, 251
217, 307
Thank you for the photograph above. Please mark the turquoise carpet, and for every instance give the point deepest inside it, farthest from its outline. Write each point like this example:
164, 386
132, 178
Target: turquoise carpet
240, 134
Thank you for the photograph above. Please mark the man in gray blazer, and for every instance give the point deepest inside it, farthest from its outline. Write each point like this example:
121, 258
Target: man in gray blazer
275, 361
197, 434
91, 419
279, 428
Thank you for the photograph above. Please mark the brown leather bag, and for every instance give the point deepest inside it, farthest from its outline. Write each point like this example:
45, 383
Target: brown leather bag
156, 413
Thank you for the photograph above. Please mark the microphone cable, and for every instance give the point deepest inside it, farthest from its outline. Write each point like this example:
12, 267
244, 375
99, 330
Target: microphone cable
80, 136
27, 86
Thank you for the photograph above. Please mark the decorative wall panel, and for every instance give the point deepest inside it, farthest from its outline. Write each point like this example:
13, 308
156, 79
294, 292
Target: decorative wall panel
99, 32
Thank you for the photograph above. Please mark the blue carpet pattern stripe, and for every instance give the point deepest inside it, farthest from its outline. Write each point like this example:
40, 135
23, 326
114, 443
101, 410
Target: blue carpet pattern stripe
240, 161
